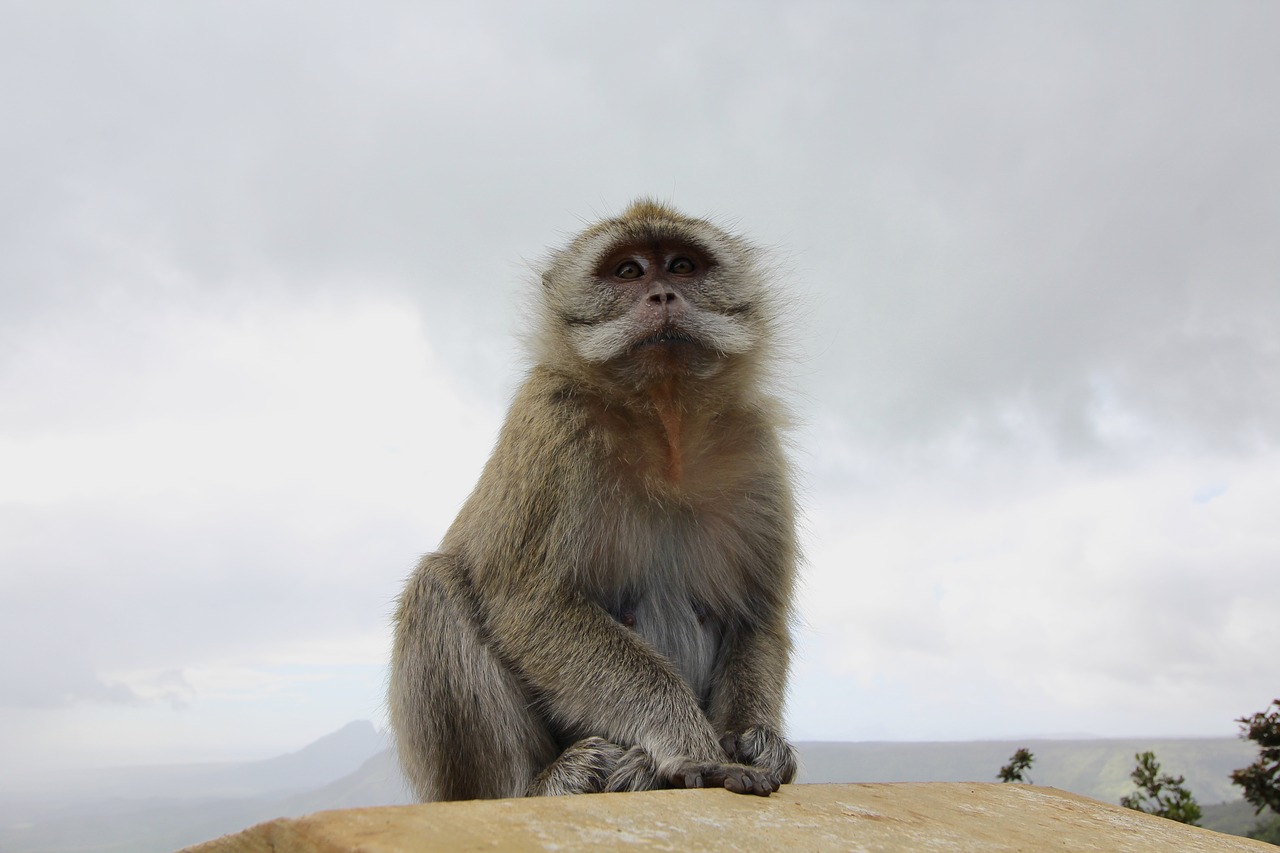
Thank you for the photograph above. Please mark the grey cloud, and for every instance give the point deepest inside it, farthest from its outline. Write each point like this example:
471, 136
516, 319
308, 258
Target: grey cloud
1000, 206
1008, 226
34, 678
93, 588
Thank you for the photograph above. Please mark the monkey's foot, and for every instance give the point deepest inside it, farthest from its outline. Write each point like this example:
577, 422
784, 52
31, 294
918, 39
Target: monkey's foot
764, 749
637, 771
583, 768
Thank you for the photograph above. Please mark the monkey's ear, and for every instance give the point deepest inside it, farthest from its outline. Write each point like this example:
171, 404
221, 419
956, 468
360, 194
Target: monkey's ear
546, 280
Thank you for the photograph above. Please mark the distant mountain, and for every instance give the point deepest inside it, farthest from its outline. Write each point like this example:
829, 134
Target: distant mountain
378, 782
327, 759
142, 809
161, 809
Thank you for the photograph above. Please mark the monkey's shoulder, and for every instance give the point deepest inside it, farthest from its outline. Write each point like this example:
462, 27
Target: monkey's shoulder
578, 485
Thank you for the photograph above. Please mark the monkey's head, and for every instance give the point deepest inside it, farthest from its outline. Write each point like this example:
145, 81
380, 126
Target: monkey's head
653, 295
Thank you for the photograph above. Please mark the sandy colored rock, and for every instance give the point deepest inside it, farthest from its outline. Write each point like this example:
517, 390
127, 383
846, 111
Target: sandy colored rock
890, 817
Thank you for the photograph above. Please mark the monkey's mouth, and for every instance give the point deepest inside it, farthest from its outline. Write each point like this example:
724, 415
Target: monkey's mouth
666, 337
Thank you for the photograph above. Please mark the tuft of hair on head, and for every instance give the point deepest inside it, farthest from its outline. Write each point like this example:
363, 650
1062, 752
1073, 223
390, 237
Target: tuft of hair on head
650, 208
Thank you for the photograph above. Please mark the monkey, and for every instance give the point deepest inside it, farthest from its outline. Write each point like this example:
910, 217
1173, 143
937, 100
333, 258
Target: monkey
611, 608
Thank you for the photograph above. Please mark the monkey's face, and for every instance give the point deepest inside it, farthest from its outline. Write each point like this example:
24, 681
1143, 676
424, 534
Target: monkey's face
682, 300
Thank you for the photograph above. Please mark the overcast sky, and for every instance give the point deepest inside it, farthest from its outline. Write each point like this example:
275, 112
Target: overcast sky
261, 268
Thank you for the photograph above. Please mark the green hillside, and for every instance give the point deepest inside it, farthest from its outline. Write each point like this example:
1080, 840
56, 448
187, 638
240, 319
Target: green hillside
1234, 818
1094, 768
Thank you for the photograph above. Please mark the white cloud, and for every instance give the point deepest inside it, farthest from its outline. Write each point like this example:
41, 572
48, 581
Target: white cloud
226, 483
1094, 588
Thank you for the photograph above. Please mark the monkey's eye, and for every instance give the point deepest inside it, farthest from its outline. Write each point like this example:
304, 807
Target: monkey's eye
628, 270
682, 266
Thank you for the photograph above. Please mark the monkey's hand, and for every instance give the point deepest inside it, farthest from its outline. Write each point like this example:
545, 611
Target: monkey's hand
738, 778
763, 749
639, 771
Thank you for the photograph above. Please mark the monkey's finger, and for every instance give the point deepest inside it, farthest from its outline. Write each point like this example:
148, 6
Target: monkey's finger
757, 784
765, 784
765, 777
748, 782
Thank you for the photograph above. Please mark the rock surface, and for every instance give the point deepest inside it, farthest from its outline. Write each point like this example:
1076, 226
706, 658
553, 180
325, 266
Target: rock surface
881, 817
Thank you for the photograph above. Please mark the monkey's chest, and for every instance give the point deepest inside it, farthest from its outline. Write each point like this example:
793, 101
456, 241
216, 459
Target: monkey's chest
673, 578
680, 628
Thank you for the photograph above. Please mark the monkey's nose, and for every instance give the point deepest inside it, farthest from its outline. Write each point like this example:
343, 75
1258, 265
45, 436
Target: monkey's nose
665, 298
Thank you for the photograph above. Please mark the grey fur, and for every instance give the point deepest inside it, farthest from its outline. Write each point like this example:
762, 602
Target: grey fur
586, 767
610, 609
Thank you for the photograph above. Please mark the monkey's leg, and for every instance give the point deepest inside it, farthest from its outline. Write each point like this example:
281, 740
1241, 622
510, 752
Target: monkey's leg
636, 771
761, 746
464, 726
746, 704
583, 768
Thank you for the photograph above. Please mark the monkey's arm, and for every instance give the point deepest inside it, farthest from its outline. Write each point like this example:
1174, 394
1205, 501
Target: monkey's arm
529, 523
594, 676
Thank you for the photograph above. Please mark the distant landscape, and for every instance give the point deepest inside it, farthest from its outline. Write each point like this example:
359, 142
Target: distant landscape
166, 807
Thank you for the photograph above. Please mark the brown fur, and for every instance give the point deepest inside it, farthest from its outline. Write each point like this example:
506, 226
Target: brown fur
609, 611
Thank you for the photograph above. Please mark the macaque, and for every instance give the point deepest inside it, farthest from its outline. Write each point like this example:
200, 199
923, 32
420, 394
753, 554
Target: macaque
610, 609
